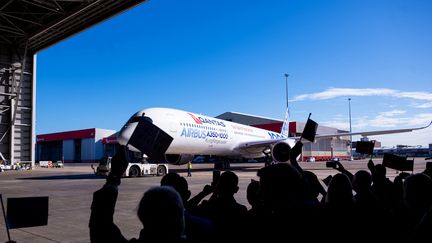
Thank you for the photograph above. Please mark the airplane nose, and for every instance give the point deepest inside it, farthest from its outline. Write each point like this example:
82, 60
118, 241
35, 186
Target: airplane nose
126, 132
121, 140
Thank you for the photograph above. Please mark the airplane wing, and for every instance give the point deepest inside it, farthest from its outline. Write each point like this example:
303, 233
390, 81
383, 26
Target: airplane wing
259, 143
254, 148
370, 133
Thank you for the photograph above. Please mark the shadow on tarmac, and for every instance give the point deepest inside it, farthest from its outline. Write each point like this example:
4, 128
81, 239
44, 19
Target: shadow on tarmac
210, 167
200, 168
63, 177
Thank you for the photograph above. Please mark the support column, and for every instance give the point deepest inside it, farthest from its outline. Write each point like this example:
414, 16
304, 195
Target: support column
17, 102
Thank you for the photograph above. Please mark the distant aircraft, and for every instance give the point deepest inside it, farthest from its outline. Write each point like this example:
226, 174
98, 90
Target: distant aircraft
195, 134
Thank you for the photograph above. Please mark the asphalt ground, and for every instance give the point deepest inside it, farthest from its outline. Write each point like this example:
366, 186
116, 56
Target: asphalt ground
70, 191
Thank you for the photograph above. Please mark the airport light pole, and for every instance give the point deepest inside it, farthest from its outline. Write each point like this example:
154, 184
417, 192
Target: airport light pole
286, 88
349, 109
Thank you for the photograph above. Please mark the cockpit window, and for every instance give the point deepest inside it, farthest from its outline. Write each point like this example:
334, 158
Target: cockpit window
147, 118
135, 119
138, 118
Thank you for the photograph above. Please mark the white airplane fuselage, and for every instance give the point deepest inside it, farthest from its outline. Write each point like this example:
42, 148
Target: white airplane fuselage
195, 134
202, 135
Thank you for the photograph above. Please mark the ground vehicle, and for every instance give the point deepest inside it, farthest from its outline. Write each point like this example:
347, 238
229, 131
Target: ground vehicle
134, 169
51, 164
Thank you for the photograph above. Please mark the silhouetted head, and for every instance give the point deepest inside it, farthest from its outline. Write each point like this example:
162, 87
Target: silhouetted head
428, 171
381, 171
179, 183
362, 181
417, 192
313, 185
161, 212
339, 192
280, 185
252, 192
228, 183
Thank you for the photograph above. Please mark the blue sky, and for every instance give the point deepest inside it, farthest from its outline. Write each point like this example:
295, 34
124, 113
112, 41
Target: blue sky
210, 57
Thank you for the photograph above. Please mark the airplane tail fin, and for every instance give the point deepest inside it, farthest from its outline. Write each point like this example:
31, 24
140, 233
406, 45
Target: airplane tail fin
285, 125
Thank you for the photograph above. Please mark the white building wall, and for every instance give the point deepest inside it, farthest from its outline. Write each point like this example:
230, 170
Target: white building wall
99, 147
92, 149
87, 150
68, 150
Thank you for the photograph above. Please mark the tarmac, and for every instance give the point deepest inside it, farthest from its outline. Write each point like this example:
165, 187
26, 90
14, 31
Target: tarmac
70, 190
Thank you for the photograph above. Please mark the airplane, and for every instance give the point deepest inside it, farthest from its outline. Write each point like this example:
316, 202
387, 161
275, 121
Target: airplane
195, 134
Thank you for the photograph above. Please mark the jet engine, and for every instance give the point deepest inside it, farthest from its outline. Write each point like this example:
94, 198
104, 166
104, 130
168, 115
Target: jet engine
178, 159
281, 152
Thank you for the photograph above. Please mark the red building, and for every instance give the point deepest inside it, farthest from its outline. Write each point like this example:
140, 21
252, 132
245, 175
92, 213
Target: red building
78, 146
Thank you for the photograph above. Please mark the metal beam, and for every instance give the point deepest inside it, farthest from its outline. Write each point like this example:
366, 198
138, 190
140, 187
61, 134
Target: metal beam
91, 14
68, 18
23, 66
8, 94
4, 134
6, 40
11, 23
24, 20
6, 4
11, 30
59, 6
41, 5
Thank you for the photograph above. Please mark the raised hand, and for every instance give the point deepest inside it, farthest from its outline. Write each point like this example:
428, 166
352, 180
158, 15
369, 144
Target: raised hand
296, 151
371, 166
339, 166
119, 164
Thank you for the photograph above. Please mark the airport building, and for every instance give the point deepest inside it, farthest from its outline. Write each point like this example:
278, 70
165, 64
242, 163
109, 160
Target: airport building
79, 146
405, 151
323, 149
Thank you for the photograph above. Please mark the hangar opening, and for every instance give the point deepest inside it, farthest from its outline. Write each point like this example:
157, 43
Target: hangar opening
26, 27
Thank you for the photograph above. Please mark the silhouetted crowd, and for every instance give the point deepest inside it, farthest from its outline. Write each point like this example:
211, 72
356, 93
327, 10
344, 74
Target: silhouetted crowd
287, 204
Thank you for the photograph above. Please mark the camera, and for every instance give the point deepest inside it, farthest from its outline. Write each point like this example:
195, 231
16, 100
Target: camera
216, 176
331, 164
